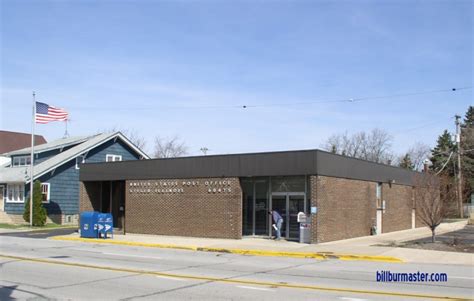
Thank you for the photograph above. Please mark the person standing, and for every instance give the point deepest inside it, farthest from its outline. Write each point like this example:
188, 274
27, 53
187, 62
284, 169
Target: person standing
278, 222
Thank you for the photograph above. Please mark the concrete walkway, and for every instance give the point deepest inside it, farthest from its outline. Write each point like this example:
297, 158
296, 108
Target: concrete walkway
362, 248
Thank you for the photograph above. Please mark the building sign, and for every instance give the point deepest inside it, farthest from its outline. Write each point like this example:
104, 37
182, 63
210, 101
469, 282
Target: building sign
178, 186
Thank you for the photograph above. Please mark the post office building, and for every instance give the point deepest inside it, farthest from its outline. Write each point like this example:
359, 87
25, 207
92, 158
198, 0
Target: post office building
229, 196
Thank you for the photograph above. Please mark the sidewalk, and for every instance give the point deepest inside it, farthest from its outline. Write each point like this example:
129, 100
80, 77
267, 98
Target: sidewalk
362, 248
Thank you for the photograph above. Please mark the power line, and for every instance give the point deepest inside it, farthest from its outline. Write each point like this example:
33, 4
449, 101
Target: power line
359, 99
322, 101
446, 163
422, 125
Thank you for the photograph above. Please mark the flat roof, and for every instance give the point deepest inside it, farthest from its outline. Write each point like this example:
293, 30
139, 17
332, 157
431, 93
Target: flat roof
284, 163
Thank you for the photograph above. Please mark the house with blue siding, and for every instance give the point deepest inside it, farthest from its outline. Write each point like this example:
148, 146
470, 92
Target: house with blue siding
56, 165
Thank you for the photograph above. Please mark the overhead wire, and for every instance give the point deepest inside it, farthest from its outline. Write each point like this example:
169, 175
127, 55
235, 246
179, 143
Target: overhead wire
422, 126
446, 163
300, 103
359, 99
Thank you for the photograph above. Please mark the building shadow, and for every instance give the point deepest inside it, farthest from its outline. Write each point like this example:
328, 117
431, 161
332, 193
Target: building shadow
54, 212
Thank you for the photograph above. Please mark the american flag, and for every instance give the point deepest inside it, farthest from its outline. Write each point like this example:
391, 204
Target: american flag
46, 113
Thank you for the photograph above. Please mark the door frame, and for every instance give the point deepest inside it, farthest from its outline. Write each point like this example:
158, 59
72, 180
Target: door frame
378, 221
287, 208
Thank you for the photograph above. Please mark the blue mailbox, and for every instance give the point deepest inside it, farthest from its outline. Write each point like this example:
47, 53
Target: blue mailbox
105, 224
89, 225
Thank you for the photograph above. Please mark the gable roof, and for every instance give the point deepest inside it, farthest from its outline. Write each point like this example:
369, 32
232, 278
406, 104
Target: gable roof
10, 141
56, 144
18, 174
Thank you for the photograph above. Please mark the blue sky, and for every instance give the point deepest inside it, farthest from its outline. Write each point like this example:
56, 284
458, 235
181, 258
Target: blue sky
176, 68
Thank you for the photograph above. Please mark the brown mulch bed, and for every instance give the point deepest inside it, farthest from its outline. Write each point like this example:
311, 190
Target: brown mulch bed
457, 241
440, 246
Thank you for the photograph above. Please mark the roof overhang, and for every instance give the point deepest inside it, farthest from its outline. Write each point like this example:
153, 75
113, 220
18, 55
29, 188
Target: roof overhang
304, 162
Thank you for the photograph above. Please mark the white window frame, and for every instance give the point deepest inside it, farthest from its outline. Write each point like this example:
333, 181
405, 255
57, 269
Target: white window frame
18, 188
113, 158
48, 194
21, 161
80, 159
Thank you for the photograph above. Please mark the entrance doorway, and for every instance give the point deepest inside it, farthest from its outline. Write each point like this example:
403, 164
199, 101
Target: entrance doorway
288, 204
113, 201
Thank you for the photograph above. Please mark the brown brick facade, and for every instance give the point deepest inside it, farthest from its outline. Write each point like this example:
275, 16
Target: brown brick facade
212, 207
346, 208
398, 207
89, 196
185, 207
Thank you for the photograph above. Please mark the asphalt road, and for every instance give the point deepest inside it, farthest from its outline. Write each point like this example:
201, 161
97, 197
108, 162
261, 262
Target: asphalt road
47, 269
40, 233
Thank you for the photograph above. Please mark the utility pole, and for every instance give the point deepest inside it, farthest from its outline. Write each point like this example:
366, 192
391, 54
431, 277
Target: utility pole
459, 184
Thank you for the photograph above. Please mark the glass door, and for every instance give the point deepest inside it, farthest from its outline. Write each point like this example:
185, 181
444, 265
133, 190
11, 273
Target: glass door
279, 204
288, 205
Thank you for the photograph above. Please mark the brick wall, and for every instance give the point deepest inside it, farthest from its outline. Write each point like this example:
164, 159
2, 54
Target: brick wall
193, 211
313, 194
398, 207
346, 208
418, 222
89, 196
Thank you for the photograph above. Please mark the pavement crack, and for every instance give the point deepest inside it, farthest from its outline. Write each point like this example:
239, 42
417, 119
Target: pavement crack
166, 291
92, 281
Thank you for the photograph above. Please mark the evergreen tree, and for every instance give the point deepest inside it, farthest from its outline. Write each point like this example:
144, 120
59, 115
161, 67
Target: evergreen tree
440, 154
39, 213
406, 162
467, 145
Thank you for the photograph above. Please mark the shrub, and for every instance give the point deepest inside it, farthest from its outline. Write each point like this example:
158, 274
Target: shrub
39, 212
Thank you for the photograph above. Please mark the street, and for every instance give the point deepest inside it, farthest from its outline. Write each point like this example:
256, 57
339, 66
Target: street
47, 269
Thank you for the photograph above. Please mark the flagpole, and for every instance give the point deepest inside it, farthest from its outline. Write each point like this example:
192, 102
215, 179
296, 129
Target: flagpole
32, 158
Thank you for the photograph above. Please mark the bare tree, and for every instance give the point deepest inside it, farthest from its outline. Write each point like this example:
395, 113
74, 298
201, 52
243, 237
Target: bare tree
377, 146
169, 147
135, 138
131, 135
373, 146
432, 195
418, 153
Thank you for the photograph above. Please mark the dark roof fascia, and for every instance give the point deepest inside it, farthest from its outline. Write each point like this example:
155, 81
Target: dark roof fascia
283, 163
333, 165
241, 165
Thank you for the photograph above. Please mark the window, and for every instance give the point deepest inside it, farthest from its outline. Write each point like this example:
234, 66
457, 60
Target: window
15, 193
21, 161
378, 194
80, 159
112, 158
45, 192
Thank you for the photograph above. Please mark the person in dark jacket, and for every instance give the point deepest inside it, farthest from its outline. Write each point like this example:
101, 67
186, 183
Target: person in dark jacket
278, 222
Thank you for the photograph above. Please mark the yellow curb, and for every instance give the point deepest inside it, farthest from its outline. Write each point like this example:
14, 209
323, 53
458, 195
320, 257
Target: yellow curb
235, 281
235, 251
